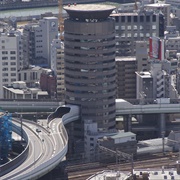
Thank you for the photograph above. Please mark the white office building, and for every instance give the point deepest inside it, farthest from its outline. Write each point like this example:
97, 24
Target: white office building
172, 39
136, 26
11, 58
37, 39
158, 82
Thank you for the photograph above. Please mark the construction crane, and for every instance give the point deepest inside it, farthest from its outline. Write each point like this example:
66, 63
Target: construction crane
61, 20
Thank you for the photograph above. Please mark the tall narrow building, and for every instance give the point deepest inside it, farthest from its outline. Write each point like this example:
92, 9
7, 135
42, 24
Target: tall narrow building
89, 53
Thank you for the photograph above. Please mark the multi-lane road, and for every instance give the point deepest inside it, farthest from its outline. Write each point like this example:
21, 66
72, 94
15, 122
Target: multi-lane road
40, 149
47, 146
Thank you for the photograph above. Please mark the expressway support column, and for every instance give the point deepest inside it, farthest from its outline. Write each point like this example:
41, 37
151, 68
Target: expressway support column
162, 124
127, 122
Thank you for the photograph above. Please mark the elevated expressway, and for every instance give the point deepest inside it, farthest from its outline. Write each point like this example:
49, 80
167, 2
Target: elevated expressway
124, 107
44, 150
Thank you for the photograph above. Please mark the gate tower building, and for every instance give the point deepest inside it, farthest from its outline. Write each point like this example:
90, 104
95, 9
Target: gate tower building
89, 53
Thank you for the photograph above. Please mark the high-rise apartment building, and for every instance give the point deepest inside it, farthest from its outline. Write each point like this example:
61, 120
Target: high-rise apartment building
11, 56
37, 39
136, 26
90, 73
57, 65
126, 77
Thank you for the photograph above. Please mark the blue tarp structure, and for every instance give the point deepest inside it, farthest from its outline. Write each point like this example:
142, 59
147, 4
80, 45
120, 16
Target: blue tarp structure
5, 136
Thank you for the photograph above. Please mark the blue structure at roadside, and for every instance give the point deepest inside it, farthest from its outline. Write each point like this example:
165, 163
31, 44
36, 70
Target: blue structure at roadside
5, 136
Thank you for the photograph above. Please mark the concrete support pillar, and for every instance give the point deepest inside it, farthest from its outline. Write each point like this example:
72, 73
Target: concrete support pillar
162, 124
127, 122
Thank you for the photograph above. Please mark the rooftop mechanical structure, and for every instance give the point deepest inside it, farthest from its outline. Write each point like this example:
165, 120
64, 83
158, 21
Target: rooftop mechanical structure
5, 136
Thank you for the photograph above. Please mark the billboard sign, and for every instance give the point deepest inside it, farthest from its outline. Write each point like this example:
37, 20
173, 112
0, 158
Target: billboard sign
154, 44
156, 48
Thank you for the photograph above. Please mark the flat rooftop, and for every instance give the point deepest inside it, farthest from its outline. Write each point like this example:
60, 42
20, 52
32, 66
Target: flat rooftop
89, 11
89, 7
125, 58
157, 5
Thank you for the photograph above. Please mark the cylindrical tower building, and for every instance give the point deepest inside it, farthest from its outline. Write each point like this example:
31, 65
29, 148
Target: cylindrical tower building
89, 54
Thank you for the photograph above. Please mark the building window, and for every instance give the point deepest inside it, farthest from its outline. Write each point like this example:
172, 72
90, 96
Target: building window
4, 58
25, 76
5, 74
129, 18
5, 69
13, 69
141, 27
13, 63
5, 80
141, 18
13, 58
13, 52
135, 34
122, 18
4, 52
147, 35
122, 27
12, 80
147, 18
135, 27
154, 18
117, 19
153, 26
141, 35
13, 74
19, 77
5, 63
135, 18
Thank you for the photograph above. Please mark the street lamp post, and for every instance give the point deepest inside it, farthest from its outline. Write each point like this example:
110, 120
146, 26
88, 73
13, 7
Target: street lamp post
34, 154
21, 127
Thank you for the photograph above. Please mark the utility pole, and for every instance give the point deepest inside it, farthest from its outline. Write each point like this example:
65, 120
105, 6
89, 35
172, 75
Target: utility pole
132, 165
119, 155
163, 133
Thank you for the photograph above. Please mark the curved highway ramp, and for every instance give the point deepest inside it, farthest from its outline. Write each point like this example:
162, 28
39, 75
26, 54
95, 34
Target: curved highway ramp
46, 147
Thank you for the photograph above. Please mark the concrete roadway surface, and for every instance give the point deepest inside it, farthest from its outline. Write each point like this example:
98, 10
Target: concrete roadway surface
43, 146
